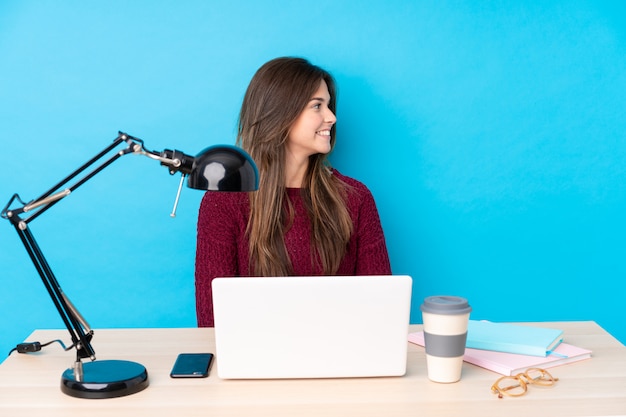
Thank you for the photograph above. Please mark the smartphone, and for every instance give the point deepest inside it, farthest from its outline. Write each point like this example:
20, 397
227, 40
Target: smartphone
192, 365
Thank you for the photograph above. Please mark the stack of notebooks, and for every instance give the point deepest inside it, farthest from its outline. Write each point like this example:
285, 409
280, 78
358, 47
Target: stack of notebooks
509, 349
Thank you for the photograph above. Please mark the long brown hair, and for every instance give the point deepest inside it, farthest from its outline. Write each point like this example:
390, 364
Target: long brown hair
276, 96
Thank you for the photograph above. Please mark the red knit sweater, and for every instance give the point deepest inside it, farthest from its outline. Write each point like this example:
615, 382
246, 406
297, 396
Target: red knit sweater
222, 247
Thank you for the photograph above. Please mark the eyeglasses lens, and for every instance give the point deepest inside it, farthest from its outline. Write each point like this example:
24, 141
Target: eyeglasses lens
539, 377
511, 386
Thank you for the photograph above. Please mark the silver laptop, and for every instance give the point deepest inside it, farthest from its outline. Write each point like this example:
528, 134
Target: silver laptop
311, 327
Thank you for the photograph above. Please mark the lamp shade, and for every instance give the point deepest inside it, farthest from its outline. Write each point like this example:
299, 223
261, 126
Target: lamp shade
224, 168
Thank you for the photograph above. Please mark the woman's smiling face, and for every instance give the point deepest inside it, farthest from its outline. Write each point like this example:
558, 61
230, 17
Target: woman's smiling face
310, 133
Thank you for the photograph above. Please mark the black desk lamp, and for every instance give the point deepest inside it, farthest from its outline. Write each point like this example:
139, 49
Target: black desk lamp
217, 168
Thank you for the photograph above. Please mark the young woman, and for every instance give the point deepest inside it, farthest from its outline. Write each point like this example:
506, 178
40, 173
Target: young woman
306, 218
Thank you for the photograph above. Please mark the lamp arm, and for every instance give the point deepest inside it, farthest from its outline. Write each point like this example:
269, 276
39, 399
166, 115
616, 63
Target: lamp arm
51, 197
80, 336
175, 163
237, 173
80, 332
47, 200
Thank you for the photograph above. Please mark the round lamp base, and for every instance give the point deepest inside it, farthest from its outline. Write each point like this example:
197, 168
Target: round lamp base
105, 379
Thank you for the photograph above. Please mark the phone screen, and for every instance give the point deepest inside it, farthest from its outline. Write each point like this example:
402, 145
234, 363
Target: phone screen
192, 365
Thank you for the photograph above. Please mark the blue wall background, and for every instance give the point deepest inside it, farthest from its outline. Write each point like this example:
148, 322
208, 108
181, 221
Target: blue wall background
491, 134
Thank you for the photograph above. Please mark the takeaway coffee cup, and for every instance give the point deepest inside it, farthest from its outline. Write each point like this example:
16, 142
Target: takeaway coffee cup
445, 333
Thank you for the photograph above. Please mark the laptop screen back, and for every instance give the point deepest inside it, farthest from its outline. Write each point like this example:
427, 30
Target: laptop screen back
311, 327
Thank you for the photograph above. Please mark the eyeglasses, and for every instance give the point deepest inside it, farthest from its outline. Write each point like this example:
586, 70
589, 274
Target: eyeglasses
517, 385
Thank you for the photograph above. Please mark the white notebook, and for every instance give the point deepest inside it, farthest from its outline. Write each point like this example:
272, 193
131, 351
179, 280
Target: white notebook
311, 327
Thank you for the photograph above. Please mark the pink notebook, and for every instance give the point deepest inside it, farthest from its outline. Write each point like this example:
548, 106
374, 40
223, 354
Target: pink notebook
512, 364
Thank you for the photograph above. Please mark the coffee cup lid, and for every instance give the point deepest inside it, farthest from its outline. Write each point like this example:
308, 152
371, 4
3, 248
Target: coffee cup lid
445, 304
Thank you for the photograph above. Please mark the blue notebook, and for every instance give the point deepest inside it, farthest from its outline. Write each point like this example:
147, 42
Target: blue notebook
512, 338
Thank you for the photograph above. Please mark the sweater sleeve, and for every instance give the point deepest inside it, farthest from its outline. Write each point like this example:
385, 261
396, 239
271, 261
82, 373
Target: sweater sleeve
372, 257
220, 225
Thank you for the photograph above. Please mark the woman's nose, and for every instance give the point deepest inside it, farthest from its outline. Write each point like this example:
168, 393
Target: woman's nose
330, 117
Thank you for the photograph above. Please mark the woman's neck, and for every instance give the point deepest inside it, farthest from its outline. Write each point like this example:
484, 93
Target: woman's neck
295, 172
